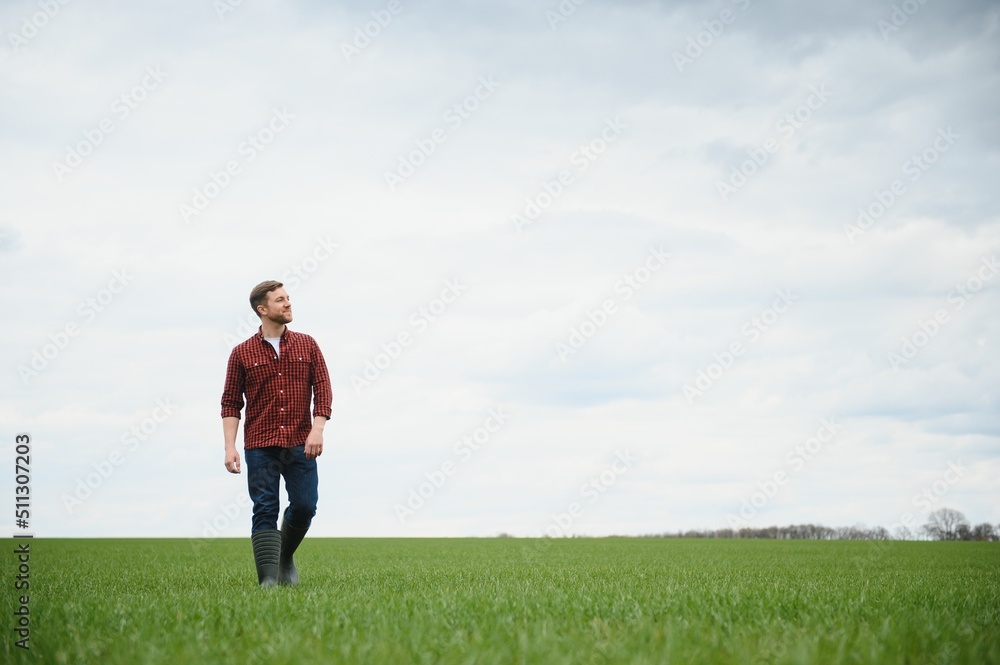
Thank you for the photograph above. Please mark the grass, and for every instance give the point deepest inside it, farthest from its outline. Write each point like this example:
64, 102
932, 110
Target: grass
484, 601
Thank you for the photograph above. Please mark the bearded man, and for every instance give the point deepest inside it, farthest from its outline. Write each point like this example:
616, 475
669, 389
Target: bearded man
278, 372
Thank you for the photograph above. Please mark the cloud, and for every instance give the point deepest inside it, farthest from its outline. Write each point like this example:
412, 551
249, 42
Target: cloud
803, 150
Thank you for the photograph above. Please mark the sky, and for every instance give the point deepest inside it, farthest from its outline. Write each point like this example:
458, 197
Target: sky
577, 268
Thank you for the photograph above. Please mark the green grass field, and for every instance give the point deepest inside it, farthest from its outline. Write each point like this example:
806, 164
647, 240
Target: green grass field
512, 601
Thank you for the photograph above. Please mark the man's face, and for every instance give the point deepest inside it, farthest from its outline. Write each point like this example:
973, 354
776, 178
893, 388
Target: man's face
279, 306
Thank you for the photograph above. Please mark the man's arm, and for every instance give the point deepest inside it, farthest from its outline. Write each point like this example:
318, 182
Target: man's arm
322, 403
322, 391
314, 442
232, 404
230, 426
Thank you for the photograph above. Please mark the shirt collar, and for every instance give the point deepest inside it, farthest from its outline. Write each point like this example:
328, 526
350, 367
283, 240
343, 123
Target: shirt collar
288, 333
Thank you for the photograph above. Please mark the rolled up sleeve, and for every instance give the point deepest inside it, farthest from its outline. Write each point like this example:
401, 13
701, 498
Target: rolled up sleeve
322, 391
232, 392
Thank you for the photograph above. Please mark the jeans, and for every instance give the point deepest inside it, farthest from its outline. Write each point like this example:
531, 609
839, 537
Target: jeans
264, 468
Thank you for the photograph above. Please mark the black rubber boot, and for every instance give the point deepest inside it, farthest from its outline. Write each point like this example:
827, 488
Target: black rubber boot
266, 550
290, 539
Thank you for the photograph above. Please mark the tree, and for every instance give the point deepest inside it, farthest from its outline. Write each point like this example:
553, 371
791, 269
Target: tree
984, 531
903, 533
946, 524
879, 533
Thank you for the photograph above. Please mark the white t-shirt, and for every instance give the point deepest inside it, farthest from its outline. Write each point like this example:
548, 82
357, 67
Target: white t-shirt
276, 343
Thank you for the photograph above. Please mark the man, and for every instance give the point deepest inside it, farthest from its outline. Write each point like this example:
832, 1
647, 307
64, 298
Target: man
278, 370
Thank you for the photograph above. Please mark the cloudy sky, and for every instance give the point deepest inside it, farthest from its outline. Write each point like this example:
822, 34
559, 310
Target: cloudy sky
658, 266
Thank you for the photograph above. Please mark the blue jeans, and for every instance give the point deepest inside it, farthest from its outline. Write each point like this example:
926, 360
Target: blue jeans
264, 468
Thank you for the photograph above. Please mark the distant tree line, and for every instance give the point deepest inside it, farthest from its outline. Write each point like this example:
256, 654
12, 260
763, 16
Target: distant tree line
942, 524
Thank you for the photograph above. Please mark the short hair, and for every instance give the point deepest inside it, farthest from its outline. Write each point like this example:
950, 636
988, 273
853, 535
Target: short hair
258, 296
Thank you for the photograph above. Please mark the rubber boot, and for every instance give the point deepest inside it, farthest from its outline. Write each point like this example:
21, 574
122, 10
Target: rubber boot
290, 538
266, 550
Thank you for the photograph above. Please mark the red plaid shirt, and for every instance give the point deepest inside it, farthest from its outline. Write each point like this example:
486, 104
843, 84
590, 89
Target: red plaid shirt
277, 389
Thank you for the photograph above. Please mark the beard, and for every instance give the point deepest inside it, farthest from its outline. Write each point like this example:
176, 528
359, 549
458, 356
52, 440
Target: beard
280, 317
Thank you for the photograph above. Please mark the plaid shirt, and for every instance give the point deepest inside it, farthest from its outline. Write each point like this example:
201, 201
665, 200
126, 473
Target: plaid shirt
277, 389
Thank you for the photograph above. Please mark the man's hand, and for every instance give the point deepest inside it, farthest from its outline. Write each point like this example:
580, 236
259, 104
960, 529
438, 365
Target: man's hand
232, 460
314, 443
